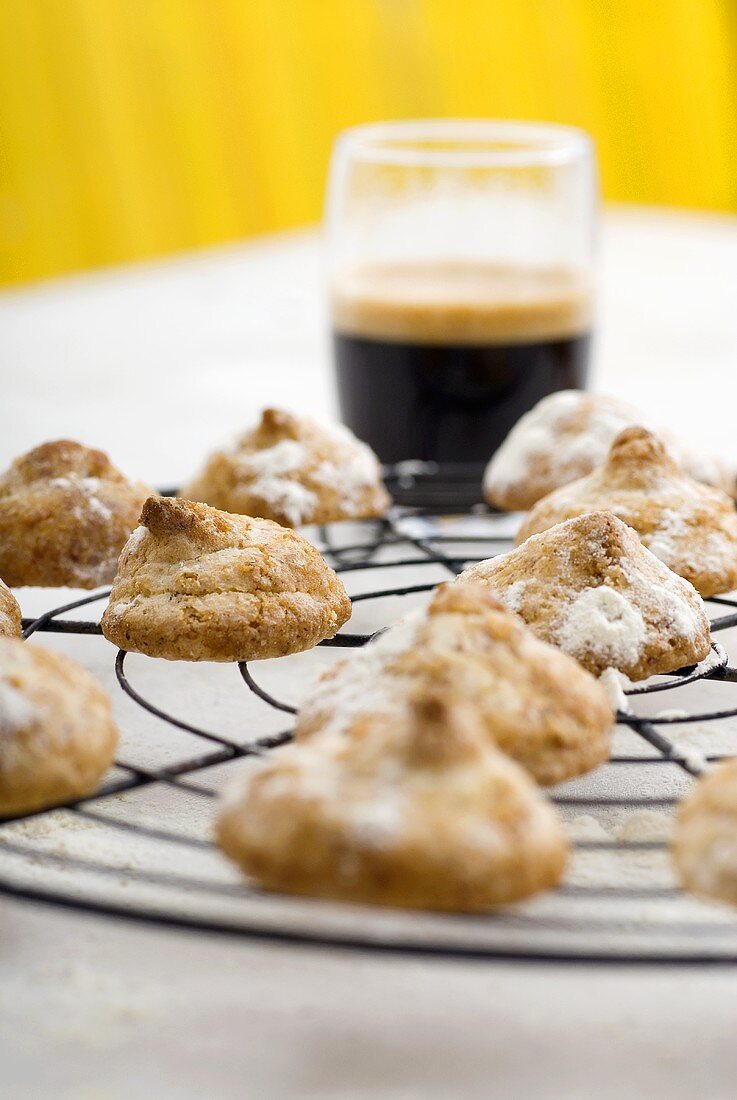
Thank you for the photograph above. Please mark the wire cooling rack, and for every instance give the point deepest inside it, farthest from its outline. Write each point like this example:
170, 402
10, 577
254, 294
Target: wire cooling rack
140, 848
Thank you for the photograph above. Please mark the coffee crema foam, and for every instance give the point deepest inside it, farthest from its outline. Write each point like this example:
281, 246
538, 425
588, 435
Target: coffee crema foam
461, 303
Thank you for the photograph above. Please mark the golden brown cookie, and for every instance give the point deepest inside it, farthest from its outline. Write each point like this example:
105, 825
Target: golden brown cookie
11, 623
65, 512
197, 584
295, 471
421, 812
590, 587
57, 734
705, 837
690, 526
566, 436
537, 704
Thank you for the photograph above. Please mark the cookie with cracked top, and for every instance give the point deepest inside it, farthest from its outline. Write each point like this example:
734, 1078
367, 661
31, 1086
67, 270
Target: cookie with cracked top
198, 584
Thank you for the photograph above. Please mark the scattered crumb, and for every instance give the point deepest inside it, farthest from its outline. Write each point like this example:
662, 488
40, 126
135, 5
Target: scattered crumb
34, 828
644, 825
694, 759
586, 827
95, 1009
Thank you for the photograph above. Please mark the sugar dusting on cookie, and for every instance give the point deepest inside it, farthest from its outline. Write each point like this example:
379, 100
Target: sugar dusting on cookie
589, 586
354, 468
273, 473
293, 500
551, 430
16, 711
290, 475
614, 684
615, 624
90, 488
672, 539
7, 626
135, 538
377, 822
513, 595
606, 620
360, 685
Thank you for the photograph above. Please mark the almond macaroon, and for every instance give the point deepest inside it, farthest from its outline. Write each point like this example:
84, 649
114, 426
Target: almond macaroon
57, 733
423, 812
65, 513
590, 587
198, 584
295, 471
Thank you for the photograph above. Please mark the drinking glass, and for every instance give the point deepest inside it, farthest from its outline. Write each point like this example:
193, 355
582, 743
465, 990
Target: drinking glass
460, 259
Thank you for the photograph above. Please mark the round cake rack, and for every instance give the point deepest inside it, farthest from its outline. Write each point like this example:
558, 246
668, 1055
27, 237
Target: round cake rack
139, 848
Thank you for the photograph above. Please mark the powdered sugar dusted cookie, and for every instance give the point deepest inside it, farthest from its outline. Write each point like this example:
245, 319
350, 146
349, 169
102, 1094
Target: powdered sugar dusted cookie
536, 703
11, 623
294, 471
197, 584
65, 512
57, 734
589, 586
561, 439
421, 812
689, 526
705, 837
567, 435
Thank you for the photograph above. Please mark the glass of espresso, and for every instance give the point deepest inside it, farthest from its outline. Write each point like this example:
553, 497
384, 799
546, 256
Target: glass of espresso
460, 279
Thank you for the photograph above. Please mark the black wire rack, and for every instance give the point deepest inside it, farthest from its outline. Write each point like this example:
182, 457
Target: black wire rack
139, 849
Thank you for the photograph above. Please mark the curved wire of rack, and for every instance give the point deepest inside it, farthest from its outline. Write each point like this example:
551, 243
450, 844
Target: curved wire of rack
584, 922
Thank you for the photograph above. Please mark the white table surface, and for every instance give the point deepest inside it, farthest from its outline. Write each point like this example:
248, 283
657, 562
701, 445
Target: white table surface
155, 364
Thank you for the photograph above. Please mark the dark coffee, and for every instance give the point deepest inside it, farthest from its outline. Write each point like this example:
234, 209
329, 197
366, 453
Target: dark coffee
451, 404
440, 365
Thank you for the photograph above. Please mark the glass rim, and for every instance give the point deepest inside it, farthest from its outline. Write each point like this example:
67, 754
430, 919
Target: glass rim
541, 143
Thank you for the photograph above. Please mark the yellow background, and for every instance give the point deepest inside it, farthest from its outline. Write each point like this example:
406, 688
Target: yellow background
133, 128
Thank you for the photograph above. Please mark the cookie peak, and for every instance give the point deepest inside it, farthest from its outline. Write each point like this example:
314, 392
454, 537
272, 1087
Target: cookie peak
210, 528
443, 730
64, 457
167, 517
600, 522
637, 446
466, 599
602, 527
296, 471
279, 424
